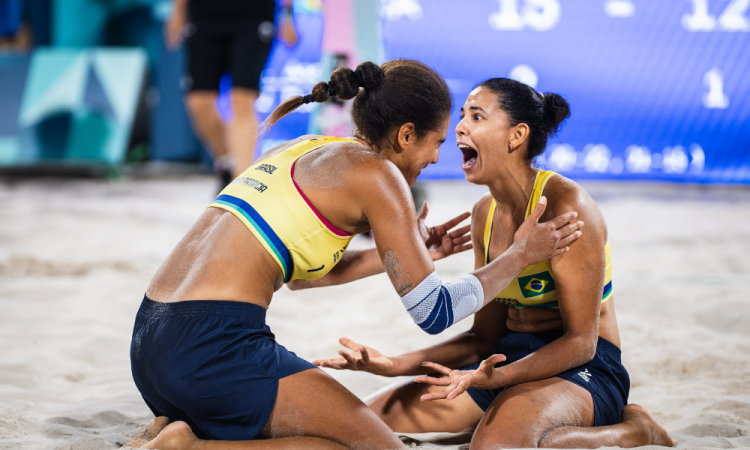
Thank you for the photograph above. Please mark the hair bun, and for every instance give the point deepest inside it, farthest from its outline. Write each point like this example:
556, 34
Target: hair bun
556, 110
369, 75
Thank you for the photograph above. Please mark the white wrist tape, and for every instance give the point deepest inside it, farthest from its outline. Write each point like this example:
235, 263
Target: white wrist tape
435, 306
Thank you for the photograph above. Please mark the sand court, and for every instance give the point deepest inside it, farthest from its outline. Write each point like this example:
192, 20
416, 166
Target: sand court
76, 256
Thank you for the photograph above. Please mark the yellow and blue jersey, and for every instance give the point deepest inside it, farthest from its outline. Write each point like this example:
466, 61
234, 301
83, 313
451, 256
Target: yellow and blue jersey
271, 205
535, 285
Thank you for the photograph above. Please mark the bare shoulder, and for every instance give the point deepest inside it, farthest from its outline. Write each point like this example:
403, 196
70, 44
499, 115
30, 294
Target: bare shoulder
363, 168
565, 195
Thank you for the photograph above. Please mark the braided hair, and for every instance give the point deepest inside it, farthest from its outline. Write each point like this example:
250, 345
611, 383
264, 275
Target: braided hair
385, 97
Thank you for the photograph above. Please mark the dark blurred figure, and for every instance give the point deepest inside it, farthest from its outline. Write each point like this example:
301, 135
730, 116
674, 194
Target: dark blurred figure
225, 36
15, 34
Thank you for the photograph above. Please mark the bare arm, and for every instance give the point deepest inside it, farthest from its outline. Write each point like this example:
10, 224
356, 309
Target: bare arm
174, 28
354, 265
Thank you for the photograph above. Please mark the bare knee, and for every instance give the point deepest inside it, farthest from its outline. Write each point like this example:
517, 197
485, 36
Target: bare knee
243, 103
199, 102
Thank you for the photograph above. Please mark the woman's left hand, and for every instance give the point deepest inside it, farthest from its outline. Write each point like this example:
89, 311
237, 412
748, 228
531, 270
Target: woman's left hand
439, 240
458, 381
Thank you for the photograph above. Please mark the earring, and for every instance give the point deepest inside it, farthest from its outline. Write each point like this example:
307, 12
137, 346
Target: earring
510, 148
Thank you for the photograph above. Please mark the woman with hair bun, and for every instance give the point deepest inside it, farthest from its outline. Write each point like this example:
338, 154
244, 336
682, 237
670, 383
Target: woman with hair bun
541, 365
202, 355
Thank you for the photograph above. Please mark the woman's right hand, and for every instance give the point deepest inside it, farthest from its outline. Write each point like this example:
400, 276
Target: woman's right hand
541, 241
360, 358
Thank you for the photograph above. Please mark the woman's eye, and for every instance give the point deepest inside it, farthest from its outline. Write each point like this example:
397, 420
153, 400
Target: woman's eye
477, 117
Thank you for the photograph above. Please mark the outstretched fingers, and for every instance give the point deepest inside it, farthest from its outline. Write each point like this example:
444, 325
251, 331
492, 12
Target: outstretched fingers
461, 233
455, 221
437, 367
337, 363
350, 358
462, 386
423, 211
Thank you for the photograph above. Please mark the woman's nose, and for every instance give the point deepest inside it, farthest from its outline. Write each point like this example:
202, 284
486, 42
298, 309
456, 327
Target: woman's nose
460, 129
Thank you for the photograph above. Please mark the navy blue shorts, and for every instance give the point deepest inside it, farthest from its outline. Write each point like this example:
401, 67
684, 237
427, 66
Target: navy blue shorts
604, 376
213, 364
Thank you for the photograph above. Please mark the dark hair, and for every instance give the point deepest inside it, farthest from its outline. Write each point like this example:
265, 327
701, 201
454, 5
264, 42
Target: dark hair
543, 113
398, 92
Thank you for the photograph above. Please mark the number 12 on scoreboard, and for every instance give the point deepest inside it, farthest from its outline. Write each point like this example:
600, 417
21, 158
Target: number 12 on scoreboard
731, 19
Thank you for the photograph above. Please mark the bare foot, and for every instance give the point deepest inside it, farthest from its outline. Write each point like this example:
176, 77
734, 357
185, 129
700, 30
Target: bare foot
149, 433
652, 433
176, 436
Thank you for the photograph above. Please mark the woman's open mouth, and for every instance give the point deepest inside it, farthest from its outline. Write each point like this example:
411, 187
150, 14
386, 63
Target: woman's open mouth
470, 156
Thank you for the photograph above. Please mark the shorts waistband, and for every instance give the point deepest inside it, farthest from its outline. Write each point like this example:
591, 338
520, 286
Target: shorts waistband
604, 347
204, 308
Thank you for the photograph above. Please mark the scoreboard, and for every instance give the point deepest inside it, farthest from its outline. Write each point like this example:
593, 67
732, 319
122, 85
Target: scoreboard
659, 89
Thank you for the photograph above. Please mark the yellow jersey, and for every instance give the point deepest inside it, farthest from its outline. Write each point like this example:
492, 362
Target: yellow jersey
535, 285
271, 205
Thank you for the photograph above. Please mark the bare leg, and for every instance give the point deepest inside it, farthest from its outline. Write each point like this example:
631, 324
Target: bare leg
637, 428
150, 432
242, 132
312, 410
401, 409
522, 415
207, 122
179, 436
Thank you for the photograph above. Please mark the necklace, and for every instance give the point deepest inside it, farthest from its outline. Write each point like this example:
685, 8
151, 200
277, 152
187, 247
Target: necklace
515, 210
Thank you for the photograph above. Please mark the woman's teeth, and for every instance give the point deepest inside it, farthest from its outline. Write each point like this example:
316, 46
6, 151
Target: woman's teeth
470, 156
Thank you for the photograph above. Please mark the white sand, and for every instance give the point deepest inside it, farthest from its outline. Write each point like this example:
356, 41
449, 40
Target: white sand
76, 256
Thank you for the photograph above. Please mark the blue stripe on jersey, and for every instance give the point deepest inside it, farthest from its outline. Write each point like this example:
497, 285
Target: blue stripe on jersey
271, 238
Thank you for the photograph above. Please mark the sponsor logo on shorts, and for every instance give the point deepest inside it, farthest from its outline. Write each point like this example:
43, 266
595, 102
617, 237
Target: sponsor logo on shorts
267, 168
252, 183
536, 284
585, 375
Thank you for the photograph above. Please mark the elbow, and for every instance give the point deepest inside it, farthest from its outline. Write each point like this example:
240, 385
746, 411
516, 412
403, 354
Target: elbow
588, 349
434, 329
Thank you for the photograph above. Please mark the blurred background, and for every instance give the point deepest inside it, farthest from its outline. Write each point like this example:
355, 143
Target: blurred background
659, 89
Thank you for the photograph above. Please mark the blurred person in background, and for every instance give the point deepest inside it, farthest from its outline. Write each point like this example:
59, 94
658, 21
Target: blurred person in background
226, 36
15, 34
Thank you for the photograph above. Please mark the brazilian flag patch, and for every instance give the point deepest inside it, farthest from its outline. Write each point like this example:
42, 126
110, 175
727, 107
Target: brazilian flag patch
536, 284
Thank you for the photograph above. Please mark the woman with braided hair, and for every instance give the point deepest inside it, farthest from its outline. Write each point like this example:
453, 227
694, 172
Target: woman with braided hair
201, 353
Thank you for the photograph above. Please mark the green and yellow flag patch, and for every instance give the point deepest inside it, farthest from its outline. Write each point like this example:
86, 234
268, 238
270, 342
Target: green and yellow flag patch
536, 284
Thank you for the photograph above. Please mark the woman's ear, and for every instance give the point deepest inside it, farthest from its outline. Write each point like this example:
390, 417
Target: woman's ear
405, 137
519, 135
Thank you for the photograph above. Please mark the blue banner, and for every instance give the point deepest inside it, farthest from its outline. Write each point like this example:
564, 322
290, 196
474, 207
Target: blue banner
659, 90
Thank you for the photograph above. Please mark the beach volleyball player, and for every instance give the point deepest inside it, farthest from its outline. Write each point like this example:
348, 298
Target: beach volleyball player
201, 353
553, 331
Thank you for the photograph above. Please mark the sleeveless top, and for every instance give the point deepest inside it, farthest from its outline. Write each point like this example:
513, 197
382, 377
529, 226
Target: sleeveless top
535, 285
271, 205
